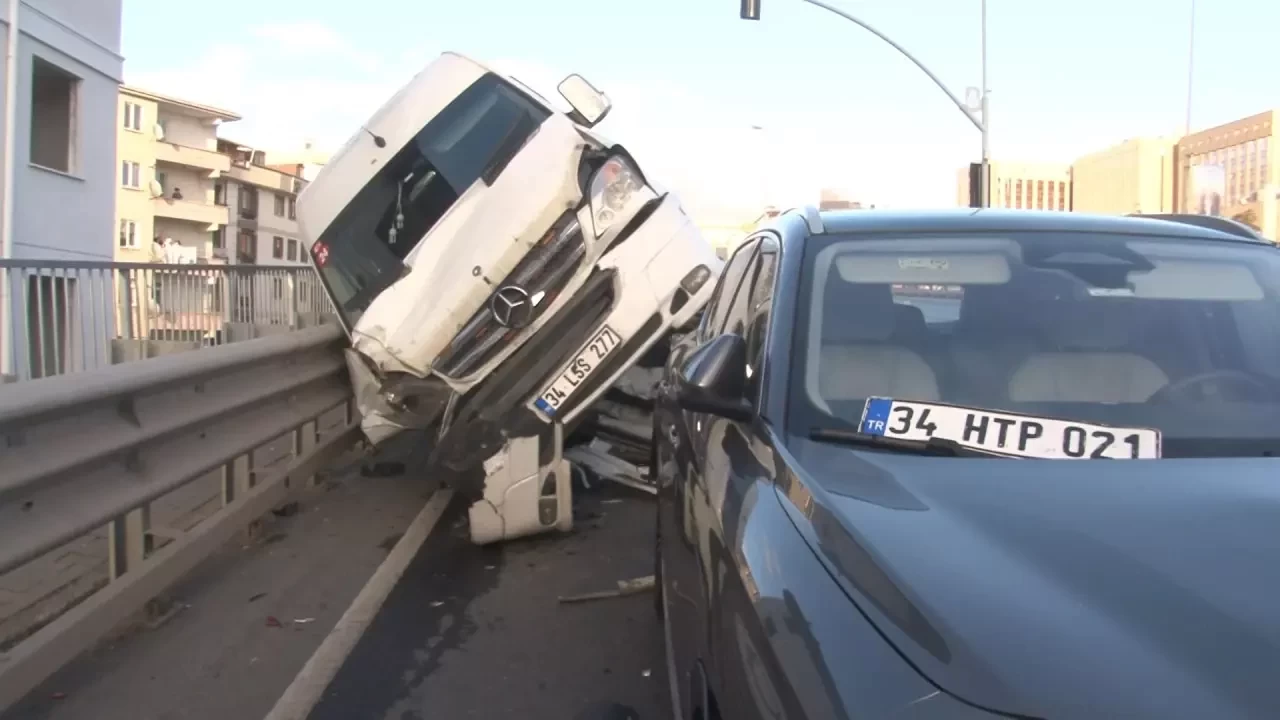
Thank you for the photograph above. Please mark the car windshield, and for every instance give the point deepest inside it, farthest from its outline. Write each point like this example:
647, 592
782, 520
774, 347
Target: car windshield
1136, 331
362, 252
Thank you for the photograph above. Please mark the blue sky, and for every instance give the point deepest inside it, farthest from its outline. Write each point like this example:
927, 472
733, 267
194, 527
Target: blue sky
689, 79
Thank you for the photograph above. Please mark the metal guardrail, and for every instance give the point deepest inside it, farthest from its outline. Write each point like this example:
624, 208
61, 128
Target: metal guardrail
96, 448
71, 316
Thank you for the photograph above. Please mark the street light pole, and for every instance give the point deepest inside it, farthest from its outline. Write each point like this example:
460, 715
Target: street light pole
978, 116
985, 174
1191, 65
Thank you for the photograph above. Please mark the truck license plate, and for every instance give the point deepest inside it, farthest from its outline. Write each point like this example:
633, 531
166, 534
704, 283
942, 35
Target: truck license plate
578, 370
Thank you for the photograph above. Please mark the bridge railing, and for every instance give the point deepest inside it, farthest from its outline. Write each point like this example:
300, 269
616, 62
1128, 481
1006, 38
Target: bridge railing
87, 459
71, 316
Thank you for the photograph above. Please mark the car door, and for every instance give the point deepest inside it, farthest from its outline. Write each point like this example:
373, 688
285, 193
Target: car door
680, 490
739, 473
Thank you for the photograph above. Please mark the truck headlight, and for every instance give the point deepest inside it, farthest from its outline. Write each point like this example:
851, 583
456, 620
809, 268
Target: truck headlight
613, 188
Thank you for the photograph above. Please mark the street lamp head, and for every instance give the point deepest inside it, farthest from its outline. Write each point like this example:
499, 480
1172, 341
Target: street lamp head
750, 10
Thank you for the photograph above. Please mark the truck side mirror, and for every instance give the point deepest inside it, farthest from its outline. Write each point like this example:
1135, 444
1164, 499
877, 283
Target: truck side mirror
589, 104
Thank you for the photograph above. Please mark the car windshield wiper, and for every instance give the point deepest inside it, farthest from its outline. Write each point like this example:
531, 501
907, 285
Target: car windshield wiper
933, 446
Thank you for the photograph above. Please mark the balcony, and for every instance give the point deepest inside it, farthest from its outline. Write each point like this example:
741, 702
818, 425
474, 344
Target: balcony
262, 177
167, 152
198, 212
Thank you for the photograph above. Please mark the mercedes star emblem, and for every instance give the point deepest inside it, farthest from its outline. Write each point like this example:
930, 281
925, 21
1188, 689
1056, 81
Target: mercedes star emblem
512, 307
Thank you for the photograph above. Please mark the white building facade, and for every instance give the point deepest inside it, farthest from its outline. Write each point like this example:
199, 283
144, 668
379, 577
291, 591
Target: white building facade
67, 70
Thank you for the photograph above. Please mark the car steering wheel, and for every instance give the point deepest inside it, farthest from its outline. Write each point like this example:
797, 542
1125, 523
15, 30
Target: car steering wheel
1208, 382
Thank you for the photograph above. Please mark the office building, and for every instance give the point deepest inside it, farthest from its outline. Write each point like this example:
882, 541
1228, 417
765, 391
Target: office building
1135, 176
1022, 186
1227, 170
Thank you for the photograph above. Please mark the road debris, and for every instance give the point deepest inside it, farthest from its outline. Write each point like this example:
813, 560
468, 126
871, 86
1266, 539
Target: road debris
634, 586
597, 456
303, 621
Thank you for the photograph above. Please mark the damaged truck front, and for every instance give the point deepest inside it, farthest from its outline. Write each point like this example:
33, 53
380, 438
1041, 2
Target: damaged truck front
497, 266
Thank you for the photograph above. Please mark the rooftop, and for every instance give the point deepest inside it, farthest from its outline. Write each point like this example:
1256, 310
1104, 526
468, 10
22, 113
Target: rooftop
187, 107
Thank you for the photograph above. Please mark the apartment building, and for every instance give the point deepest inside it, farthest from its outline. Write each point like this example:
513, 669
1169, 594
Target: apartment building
68, 68
1227, 170
1022, 186
263, 202
168, 207
1135, 176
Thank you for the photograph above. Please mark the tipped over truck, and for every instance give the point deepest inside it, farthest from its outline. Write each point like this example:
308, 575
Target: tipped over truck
497, 265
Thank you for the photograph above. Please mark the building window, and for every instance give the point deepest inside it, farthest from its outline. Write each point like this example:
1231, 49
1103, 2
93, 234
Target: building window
293, 208
128, 234
292, 255
1052, 186
130, 174
248, 202
53, 116
132, 116
1017, 204
220, 237
279, 205
1062, 195
277, 286
247, 246
1040, 195
220, 193
277, 247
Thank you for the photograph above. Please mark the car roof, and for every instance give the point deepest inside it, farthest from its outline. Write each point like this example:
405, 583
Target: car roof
999, 220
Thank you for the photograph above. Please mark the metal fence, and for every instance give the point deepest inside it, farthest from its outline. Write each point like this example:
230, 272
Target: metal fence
103, 447
70, 316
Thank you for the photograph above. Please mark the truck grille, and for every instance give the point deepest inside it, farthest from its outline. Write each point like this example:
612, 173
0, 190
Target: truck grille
542, 273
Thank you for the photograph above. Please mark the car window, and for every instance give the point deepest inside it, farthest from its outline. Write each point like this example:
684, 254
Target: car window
758, 309
730, 279
1179, 335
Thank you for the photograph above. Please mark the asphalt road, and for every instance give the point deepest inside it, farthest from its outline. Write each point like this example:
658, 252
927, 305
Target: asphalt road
220, 657
475, 632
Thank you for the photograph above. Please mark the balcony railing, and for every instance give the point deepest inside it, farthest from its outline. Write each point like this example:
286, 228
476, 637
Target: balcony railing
192, 157
200, 212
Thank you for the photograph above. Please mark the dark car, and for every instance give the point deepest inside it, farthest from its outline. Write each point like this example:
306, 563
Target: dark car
868, 506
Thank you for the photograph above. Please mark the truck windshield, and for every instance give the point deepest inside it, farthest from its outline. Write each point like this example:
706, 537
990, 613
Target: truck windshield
361, 253
1174, 334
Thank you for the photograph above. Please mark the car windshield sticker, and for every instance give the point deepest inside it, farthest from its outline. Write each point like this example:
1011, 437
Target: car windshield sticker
1005, 433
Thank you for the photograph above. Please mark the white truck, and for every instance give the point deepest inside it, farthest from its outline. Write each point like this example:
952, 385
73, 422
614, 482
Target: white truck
497, 266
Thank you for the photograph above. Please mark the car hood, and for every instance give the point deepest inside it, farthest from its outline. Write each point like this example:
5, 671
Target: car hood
1059, 589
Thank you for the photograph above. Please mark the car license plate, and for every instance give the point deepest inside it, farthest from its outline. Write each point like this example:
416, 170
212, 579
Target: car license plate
1008, 434
577, 371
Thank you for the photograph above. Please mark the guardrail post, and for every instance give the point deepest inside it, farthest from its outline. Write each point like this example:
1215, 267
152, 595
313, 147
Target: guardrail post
129, 541
306, 437
237, 478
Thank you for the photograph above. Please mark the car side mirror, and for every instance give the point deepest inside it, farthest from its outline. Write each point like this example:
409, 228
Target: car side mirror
590, 106
714, 379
